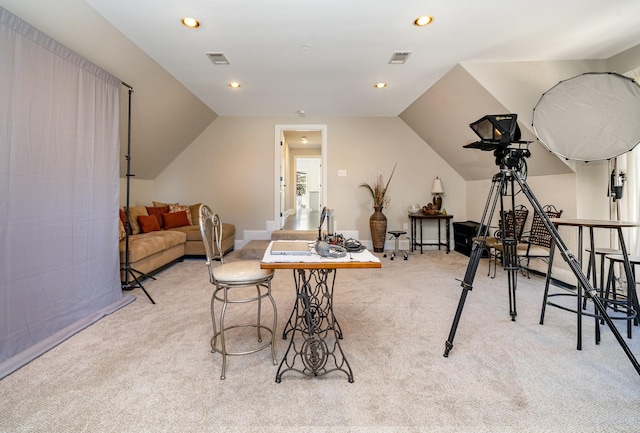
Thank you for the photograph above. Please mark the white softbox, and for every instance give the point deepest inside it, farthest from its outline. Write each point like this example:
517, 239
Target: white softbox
590, 117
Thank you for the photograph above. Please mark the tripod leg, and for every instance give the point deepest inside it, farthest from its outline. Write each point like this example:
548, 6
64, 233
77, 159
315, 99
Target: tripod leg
547, 282
467, 283
476, 254
511, 266
128, 284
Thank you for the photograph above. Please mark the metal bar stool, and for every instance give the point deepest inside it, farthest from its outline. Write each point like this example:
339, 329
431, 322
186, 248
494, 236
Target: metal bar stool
395, 234
621, 301
232, 282
602, 253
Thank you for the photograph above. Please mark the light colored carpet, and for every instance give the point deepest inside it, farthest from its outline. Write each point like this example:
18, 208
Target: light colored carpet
148, 368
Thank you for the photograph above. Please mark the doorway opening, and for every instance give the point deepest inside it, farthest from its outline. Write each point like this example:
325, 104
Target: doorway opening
301, 153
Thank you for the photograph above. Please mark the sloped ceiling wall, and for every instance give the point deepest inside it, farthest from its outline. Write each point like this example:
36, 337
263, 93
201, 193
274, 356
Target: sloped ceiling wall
165, 118
441, 117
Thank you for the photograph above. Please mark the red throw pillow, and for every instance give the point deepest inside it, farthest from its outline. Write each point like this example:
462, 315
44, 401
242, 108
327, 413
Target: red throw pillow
157, 212
175, 219
148, 223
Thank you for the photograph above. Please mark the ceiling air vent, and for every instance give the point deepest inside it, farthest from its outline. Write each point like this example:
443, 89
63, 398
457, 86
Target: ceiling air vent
218, 58
399, 57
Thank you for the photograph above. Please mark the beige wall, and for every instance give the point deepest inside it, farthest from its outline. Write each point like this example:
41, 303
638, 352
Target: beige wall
230, 166
142, 192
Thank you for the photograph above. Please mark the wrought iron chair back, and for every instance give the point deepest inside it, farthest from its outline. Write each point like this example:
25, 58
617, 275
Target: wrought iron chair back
514, 221
538, 240
539, 235
512, 227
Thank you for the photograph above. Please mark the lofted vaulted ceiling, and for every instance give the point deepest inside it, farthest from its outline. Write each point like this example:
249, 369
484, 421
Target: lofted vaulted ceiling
324, 57
309, 58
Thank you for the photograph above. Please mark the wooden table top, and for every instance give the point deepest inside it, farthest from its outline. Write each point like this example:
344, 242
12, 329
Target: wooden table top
605, 224
320, 265
363, 259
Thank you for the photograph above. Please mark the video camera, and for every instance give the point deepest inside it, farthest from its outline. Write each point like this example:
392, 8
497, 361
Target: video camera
497, 132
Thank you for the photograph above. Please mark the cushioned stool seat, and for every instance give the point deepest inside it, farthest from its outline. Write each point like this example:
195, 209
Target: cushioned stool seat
241, 272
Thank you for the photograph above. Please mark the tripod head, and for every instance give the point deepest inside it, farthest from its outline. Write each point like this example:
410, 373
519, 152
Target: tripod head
509, 158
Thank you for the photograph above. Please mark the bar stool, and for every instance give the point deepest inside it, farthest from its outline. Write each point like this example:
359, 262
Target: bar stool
602, 253
230, 280
395, 234
625, 303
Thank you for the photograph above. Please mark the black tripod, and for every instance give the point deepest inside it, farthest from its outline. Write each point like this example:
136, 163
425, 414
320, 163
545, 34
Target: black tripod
134, 281
512, 163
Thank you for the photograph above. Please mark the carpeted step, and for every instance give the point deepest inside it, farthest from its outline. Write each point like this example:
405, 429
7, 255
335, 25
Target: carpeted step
289, 235
254, 250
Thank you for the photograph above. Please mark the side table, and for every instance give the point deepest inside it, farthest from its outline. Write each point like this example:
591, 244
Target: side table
418, 218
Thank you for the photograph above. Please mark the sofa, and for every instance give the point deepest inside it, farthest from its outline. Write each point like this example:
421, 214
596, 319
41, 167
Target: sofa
163, 234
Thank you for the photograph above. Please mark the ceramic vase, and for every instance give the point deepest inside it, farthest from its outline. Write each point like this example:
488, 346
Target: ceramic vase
378, 227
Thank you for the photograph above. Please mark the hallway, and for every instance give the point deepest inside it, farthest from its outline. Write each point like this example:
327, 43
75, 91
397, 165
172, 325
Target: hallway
304, 219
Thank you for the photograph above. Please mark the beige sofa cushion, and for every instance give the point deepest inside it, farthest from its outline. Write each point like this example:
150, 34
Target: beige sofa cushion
192, 232
148, 244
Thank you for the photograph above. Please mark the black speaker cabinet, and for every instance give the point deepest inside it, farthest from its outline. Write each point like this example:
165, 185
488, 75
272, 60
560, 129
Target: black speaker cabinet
463, 234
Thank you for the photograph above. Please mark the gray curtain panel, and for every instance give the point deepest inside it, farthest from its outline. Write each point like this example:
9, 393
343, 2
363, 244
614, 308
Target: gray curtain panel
59, 193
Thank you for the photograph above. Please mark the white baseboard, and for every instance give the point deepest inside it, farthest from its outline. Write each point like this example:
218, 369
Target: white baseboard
270, 226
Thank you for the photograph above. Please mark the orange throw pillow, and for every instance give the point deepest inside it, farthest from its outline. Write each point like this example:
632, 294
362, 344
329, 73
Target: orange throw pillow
157, 212
148, 223
175, 219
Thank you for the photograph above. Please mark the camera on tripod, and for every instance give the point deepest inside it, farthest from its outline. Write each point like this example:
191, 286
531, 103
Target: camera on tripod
498, 132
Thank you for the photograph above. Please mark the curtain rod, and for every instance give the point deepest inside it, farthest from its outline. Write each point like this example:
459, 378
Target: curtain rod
125, 84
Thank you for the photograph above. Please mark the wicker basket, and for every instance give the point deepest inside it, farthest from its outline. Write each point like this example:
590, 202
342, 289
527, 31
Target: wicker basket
429, 209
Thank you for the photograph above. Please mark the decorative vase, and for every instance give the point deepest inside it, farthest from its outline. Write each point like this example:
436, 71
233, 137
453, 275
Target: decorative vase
378, 227
437, 201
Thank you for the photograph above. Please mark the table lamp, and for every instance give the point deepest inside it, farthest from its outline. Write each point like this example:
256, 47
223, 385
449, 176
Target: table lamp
437, 189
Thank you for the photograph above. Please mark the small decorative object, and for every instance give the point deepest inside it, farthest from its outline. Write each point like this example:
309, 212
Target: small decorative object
414, 208
378, 221
437, 189
430, 209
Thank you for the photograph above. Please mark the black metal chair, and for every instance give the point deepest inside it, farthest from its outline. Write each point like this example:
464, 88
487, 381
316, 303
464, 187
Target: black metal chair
536, 244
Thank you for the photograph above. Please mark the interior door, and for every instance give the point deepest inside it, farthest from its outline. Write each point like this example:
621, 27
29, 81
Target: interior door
280, 220
285, 193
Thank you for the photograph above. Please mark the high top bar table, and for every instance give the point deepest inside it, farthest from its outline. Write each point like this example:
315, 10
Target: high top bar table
591, 224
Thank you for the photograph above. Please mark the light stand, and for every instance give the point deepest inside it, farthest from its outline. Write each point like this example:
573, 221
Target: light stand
130, 284
511, 162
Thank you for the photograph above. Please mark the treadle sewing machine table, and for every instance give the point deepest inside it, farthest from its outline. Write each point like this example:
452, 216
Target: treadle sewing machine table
314, 348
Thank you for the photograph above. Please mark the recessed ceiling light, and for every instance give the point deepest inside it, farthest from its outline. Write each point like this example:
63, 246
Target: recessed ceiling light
380, 85
192, 23
234, 85
424, 20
